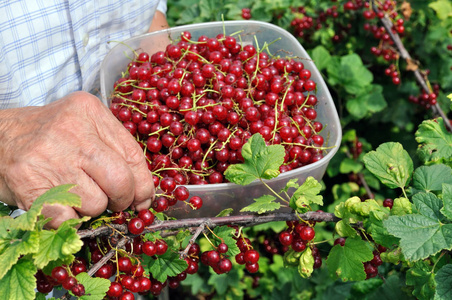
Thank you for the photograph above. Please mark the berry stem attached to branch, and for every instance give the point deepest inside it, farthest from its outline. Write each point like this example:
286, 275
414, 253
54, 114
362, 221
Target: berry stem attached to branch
192, 240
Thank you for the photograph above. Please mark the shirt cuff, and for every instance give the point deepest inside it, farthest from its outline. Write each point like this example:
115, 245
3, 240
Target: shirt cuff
162, 7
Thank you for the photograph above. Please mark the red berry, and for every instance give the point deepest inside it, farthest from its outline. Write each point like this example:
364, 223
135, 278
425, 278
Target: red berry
69, 283
252, 268
196, 202
388, 202
115, 289
285, 238
59, 274
224, 265
136, 226
124, 265
162, 246
149, 248
307, 233
147, 216
340, 241
78, 290
222, 248
251, 256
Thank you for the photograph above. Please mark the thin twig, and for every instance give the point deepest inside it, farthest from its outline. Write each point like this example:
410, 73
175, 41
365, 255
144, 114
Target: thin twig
101, 231
365, 185
192, 240
107, 257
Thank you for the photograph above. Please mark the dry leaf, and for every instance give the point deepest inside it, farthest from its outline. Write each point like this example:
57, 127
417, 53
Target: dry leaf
406, 10
411, 65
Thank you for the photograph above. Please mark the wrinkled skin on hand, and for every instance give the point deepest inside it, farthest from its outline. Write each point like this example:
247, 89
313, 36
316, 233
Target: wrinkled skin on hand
75, 140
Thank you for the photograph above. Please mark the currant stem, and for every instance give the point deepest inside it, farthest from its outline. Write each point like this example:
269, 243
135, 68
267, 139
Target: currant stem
106, 257
192, 240
275, 193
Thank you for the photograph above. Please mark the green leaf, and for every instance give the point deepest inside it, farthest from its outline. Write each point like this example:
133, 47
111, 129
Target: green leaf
57, 195
379, 233
394, 256
223, 282
402, 206
435, 141
344, 229
364, 208
61, 243
276, 226
225, 234
428, 205
321, 57
431, 178
4, 210
366, 287
291, 183
166, 265
41, 296
95, 288
306, 194
420, 236
351, 74
260, 162
349, 165
225, 212
369, 101
443, 280
393, 288
421, 277
306, 266
196, 284
262, 205
344, 191
15, 243
356, 76
391, 164
334, 71
19, 283
443, 8
347, 261
446, 210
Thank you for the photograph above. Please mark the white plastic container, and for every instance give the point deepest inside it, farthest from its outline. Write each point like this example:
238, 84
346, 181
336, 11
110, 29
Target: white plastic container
217, 197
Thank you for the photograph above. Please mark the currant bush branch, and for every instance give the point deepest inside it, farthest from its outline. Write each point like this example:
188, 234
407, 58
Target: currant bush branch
407, 57
240, 220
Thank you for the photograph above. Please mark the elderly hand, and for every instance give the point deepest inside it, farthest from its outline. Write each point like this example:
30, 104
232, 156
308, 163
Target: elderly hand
75, 140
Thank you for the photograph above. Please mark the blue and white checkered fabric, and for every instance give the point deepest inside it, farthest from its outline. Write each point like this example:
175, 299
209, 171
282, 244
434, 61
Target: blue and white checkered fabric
49, 48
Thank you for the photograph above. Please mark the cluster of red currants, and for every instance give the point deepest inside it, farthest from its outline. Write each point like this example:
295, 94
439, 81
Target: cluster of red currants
305, 26
392, 72
297, 236
424, 99
194, 105
59, 277
217, 259
247, 256
246, 13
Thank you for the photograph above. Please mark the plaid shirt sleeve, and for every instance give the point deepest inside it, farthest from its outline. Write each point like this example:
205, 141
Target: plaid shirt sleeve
49, 48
